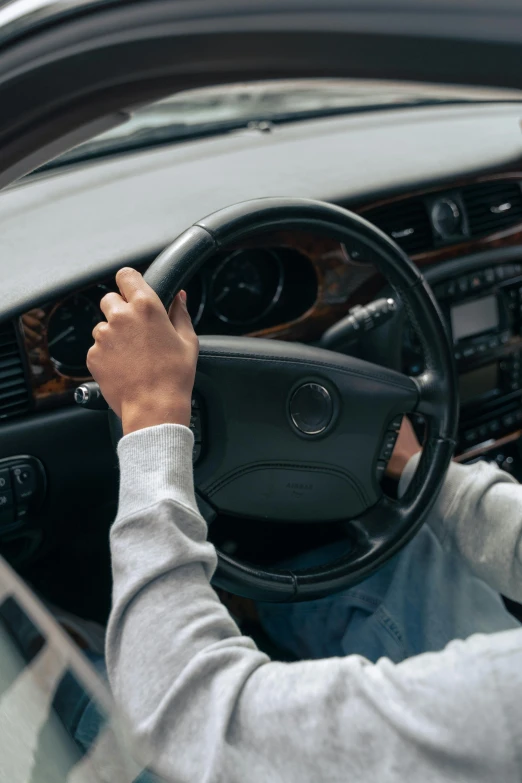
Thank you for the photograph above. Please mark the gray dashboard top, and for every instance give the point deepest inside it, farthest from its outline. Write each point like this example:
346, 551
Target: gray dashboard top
61, 229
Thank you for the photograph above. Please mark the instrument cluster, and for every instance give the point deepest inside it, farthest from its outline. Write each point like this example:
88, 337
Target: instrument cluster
237, 292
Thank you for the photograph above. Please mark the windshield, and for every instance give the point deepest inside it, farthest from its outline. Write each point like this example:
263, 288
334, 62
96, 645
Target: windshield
263, 105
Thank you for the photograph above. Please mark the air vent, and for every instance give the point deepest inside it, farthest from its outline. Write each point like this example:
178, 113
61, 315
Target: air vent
407, 222
14, 394
492, 206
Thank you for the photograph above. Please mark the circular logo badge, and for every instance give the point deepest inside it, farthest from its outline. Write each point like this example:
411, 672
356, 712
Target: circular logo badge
311, 408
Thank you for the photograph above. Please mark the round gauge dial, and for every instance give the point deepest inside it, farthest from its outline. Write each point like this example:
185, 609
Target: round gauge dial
446, 217
246, 286
69, 333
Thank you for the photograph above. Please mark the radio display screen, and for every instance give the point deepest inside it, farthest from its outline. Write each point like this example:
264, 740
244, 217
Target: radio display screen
475, 317
478, 382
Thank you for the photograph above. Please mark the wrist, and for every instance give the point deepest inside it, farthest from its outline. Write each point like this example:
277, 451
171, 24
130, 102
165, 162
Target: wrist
138, 416
398, 462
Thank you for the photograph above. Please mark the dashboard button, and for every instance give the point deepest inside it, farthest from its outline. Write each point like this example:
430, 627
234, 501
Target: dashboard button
463, 285
494, 426
470, 436
24, 481
195, 425
7, 509
508, 420
451, 289
395, 424
381, 467
5, 480
388, 445
6, 501
482, 431
467, 352
489, 275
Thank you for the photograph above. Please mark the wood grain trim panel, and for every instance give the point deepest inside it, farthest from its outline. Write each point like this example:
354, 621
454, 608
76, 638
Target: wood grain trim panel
479, 451
49, 387
338, 281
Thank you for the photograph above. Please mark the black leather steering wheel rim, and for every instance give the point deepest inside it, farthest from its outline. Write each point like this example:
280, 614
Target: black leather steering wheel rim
385, 527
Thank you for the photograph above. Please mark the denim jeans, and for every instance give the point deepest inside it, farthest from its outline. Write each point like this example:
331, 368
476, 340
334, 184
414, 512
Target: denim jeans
418, 602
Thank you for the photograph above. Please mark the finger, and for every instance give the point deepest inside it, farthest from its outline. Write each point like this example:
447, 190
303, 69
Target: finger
179, 315
36, 312
111, 303
30, 320
32, 336
130, 282
100, 330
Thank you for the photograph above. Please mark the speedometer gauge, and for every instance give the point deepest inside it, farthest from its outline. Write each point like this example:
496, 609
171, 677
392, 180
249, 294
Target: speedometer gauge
246, 285
69, 334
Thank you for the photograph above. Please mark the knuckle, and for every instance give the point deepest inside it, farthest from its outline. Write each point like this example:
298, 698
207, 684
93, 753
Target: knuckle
100, 331
144, 303
105, 300
117, 316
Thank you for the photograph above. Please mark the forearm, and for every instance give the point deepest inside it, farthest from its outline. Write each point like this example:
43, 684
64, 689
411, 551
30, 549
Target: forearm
479, 513
206, 705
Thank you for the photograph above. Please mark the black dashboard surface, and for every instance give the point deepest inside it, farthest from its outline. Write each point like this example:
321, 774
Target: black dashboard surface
63, 229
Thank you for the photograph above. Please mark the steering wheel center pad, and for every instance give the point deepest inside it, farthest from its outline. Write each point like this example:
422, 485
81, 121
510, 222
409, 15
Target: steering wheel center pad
261, 464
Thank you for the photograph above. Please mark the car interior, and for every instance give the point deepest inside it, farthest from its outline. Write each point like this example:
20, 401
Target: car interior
409, 159
341, 197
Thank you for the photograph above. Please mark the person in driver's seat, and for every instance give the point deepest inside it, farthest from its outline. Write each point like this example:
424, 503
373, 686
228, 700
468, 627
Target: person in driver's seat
400, 701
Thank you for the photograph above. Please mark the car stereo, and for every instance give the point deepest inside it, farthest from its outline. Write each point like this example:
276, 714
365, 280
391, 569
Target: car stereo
483, 313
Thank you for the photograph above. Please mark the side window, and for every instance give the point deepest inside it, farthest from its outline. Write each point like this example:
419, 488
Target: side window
53, 728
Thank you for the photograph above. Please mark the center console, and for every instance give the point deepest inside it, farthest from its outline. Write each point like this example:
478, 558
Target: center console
483, 312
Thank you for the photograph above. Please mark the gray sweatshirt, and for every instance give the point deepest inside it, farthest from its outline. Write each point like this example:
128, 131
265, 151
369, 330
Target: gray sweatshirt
206, 705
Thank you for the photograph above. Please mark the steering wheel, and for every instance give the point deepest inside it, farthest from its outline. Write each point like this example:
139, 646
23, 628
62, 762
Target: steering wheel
294, 432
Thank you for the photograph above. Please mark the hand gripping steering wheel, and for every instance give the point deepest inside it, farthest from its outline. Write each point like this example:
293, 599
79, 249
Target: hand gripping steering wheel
295, 432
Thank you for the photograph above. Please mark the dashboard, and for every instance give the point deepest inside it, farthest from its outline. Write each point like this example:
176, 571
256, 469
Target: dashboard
464, 230
293, 286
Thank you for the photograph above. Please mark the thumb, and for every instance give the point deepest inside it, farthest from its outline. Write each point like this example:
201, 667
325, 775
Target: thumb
179, 315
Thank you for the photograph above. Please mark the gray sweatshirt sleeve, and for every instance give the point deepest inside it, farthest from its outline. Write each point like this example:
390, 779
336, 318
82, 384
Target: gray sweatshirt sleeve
206, 706
479, 514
